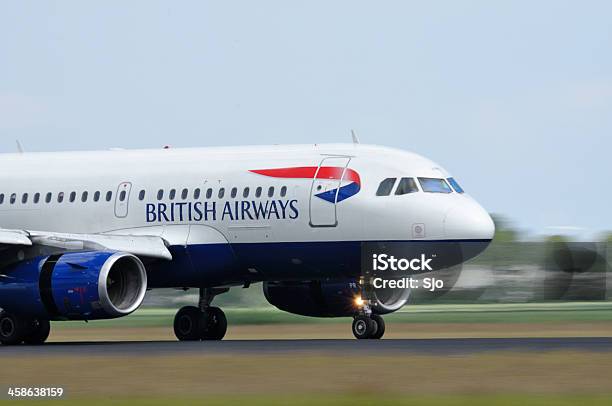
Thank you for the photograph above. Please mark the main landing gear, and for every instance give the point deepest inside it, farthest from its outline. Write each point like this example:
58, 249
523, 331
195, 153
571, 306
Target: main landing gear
203, 322
17, 330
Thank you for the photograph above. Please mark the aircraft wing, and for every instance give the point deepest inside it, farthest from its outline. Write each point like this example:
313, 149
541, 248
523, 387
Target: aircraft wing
140, 245
14, 237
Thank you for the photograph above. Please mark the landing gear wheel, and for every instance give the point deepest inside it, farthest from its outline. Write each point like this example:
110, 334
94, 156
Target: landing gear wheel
191, 324
215, 324
188, 324
12, 329
364, 327
39, 332
380, 324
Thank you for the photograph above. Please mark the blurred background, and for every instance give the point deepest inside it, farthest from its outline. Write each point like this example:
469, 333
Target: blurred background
511, 270
514, 98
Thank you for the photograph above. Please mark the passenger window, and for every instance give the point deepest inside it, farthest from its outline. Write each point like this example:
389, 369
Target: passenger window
84, 197
271, 191
48, 197
196, 194
60, 197
36, 198
13, 198
109, 196
258, 191
234, 192
141, 195
455, 185
184, 194
172, 194
72, 197
434, 185
160, 194
283, 191
1, 198
245, 192
96, 196
385, 187
221, 193
406, 185
209, 193
122, 195
24, 198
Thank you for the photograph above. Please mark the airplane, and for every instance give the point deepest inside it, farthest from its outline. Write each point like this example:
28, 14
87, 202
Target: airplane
84, 235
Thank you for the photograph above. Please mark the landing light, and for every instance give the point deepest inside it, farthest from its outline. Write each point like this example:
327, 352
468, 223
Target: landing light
359, 301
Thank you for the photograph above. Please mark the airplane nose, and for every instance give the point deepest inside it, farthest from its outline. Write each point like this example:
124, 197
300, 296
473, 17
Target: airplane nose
468, 221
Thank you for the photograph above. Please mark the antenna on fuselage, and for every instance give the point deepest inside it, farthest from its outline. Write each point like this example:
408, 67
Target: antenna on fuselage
19, 147
355, 139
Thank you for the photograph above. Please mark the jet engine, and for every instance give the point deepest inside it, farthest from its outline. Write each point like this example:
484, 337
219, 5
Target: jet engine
330, 298
74, 286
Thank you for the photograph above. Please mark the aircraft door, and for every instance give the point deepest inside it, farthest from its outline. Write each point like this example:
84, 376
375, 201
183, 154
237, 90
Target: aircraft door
324, 191
122, 199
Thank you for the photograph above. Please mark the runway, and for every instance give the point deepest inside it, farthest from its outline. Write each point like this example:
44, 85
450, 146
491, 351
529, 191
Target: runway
357, 347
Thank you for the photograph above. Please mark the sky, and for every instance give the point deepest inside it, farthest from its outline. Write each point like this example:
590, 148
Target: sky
513, 97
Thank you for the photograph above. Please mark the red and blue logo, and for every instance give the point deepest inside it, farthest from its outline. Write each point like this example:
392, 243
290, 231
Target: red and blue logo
349, 180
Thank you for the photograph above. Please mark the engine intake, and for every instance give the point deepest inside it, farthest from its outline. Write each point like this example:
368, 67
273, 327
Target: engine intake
122, 284
75, 286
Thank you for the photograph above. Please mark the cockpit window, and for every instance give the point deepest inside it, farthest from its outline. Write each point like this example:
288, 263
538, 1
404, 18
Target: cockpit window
455, 185
406, 185
434, 185
385, 187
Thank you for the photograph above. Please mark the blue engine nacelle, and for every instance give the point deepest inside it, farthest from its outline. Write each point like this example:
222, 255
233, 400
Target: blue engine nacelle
330, 298
74, 286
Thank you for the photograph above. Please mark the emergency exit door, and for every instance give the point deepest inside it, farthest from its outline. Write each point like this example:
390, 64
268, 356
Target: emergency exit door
122, 199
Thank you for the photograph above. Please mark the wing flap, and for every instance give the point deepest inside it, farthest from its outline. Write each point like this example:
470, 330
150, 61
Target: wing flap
146, 246
141, 245
14, 237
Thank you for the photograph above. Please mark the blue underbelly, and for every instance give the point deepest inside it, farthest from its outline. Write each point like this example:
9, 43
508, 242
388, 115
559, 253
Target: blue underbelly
227, 264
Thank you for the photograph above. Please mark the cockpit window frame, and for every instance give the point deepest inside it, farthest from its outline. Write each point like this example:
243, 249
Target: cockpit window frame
414, 187
384, 183
455, 185
425, 188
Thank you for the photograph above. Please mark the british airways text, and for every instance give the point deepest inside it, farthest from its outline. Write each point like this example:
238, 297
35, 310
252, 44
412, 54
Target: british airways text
224, 211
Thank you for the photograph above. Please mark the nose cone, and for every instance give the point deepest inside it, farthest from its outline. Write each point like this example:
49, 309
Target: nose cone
468, 221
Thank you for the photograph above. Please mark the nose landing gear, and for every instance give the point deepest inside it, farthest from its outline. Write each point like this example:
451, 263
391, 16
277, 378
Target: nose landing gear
368, 327
201, 323
366, 324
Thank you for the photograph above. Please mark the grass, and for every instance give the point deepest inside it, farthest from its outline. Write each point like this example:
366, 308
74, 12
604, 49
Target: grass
421, 321
502, 378
418, 314
343, 400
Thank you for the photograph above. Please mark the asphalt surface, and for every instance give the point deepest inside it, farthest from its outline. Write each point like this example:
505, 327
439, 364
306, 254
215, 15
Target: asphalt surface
361, 347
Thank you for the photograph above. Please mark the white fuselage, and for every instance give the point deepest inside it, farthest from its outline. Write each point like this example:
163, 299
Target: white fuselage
230, 215
66, 177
